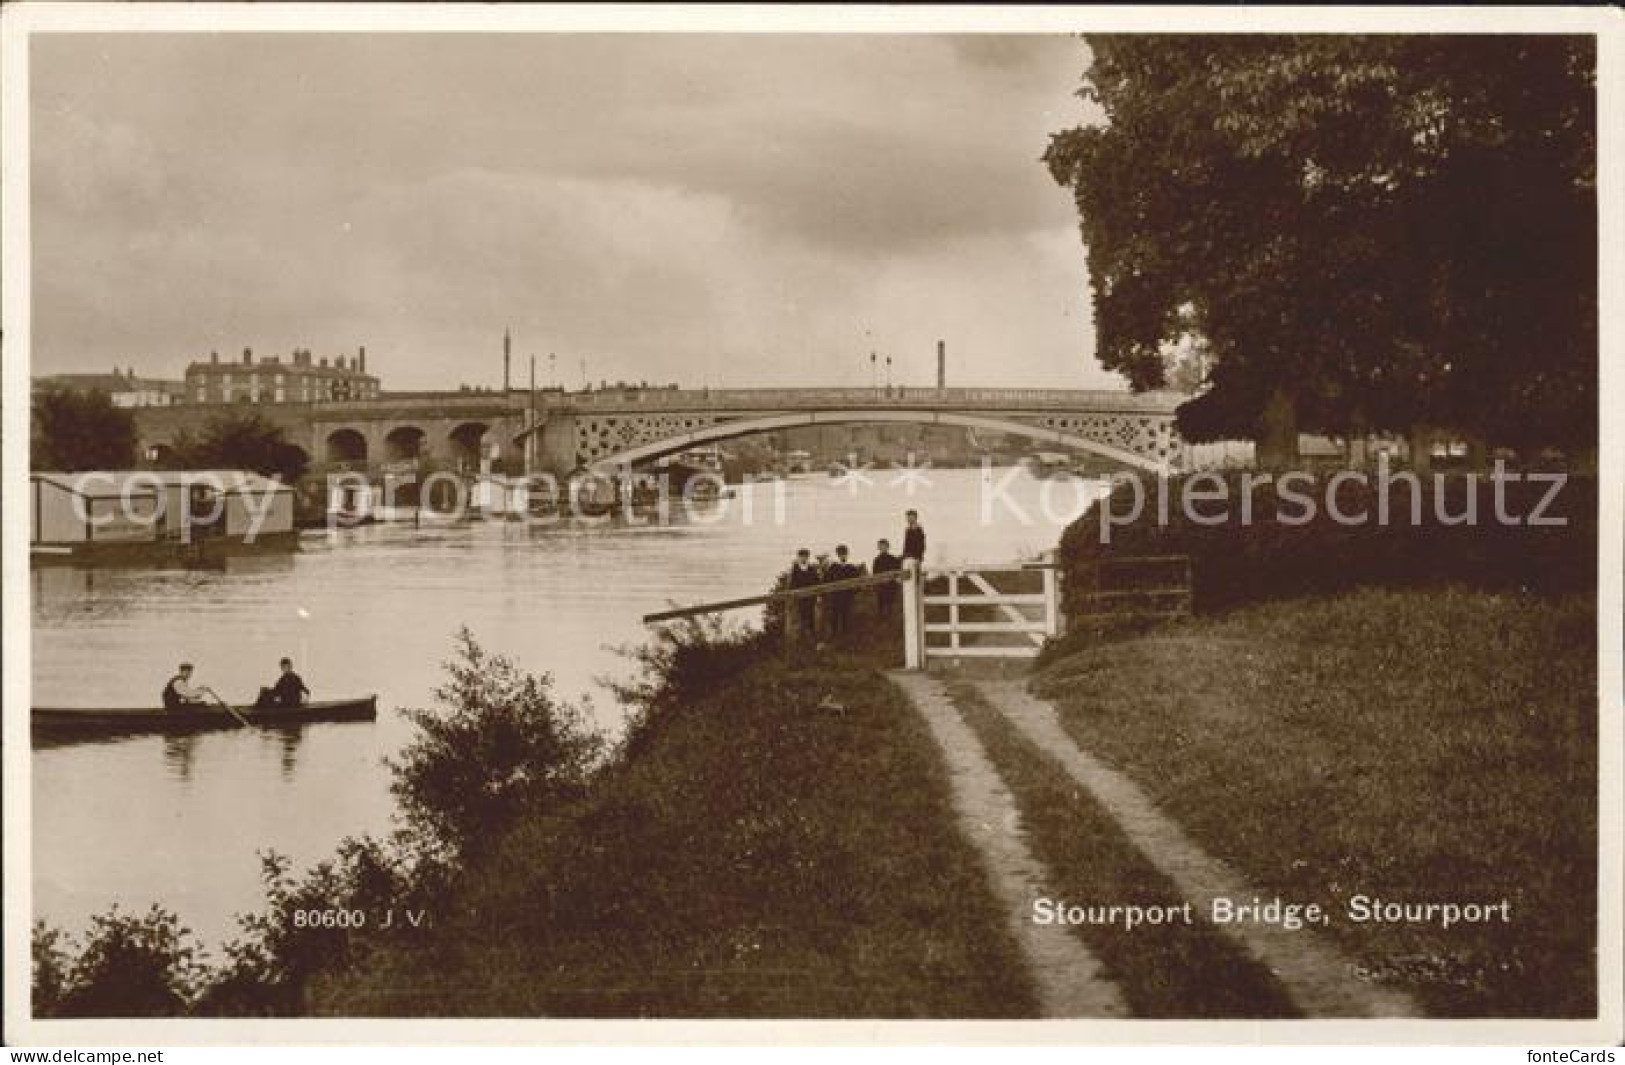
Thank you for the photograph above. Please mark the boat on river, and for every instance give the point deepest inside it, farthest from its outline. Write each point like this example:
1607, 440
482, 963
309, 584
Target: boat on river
191, 719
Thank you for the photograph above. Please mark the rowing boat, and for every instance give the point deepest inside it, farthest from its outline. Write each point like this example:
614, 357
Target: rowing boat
147, 719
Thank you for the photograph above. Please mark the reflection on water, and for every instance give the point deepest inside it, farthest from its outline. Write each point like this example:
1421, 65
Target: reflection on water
178, 751
178, 819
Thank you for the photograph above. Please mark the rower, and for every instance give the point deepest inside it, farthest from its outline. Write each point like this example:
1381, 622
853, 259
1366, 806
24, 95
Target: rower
289, 689
179, 693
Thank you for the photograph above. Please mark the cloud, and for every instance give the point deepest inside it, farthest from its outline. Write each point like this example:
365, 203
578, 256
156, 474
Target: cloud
704, 209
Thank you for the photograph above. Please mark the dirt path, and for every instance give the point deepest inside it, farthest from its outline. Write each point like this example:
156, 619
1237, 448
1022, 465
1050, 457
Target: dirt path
1069, 978
1320, 980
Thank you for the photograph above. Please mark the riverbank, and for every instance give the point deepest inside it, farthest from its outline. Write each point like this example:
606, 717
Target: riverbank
775, 840
1404, 746
780, 837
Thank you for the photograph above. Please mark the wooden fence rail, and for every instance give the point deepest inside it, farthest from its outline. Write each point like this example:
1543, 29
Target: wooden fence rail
1028, 617
872, 581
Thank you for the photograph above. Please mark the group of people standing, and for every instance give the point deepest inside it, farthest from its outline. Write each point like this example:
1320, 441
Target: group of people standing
805, 572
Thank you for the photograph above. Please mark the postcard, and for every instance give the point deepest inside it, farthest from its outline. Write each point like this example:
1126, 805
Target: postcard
939, 524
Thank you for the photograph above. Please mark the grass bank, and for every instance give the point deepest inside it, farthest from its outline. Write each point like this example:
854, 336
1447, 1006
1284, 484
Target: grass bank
776, 840
1411, 746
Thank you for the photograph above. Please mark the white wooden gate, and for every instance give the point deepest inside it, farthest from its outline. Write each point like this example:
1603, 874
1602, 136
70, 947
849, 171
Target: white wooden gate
979, 611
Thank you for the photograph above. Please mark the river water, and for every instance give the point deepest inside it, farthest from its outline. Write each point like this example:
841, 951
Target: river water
178, 821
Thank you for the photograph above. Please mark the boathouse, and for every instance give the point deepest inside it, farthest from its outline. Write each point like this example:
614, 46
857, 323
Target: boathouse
94, 507
226, 503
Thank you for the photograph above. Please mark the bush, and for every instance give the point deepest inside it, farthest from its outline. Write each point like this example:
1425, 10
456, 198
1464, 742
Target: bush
683, 662
269, 970
500, 743
1274, 556
127, 966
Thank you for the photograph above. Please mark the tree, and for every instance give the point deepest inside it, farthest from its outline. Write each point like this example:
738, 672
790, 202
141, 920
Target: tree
241, 441
1369, 232
75, 431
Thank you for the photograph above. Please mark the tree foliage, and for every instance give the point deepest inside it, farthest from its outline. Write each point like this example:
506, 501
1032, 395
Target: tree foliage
75, 431
1384, 230
239, 441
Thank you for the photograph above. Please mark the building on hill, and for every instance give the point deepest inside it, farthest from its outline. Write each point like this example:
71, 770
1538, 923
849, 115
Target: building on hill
123, 387
302, 379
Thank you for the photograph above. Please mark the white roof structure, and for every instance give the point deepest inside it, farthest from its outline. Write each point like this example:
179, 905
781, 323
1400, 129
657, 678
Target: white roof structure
103, 484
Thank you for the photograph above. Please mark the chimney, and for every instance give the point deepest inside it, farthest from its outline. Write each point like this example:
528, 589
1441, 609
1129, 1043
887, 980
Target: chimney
214, 357
248, 356
942, 364
363, 358
324, 360
507, 358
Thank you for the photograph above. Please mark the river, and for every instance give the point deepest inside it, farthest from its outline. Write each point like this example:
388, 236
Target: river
178, 821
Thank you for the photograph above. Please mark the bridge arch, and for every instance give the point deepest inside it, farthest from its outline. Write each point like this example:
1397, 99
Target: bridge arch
463, 443
404, 443
770, 422
297, 454
345, 445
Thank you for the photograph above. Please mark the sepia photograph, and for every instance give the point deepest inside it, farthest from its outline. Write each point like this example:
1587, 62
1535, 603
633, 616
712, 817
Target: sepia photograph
1100, 525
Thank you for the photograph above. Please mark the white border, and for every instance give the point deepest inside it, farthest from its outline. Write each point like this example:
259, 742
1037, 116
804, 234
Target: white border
18, 21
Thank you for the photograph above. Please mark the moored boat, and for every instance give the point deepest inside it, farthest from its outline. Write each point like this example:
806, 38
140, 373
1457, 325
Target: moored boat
158, 719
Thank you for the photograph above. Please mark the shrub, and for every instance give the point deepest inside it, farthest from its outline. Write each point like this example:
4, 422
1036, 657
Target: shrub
268, 971
126, 966
685, 660
1273, 556
50, 965
500, 743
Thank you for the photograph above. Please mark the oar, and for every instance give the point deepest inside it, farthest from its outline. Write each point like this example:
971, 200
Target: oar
240, 718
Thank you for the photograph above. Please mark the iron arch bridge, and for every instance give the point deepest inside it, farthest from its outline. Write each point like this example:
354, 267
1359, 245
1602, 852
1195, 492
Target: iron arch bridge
562, 432
1136, 430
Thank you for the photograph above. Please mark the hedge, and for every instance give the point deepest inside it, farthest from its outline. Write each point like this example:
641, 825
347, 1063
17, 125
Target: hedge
1285, 549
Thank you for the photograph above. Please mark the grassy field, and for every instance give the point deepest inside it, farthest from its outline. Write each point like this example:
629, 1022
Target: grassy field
1436, 746
757, 856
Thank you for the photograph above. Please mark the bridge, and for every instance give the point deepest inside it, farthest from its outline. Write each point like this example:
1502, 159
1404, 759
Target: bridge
560, 432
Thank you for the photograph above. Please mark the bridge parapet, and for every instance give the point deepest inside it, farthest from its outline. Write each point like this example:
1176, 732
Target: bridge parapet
788, 399
431, 404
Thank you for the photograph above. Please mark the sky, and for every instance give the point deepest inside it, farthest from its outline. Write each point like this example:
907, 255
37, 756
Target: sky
703, 209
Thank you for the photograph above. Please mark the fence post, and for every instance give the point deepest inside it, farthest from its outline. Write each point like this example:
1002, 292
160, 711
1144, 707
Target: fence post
913, 614
1052, 607
953, 610
792, 626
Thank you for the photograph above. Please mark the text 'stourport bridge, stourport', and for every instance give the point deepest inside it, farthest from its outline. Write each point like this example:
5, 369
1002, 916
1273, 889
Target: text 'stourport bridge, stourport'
563, 431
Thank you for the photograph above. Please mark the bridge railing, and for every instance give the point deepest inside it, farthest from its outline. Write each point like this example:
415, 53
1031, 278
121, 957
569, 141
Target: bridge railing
1059, 399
